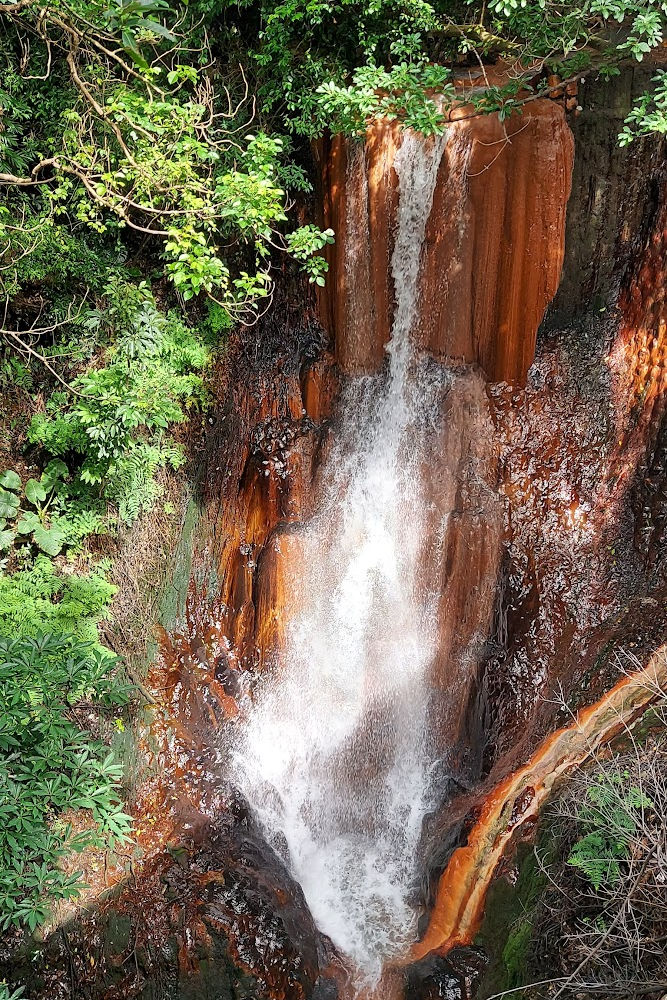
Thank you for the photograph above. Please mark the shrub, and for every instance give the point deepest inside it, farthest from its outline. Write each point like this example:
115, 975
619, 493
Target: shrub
609, 816
37, 523
116, 423
601, 926
49, 765
39, 600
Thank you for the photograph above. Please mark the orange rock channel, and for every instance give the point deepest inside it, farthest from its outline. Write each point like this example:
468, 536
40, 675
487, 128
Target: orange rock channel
461, 894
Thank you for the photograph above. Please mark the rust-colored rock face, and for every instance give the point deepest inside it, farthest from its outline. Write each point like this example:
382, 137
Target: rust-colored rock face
494, 242
638, 363
543, 509
582, 467
462, 565
520, 488
517, 801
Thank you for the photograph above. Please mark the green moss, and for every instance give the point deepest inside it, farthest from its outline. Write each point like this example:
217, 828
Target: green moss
169, 580
175, 591
506, 933
515, 953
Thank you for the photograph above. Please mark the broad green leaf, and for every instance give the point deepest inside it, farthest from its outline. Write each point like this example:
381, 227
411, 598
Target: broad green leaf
9, 504
55, 470
49, 540
158, 29
28, 522
35, 492
131, 47
6, 538
11, 480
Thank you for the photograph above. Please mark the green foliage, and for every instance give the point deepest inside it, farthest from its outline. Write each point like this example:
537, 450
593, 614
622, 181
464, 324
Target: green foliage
399, 93
51, 660
610, 815
580, 37
9, 994
157, 145
22, 109
128, 18
645, 19
113, 429
117, 420
12, 157
649, 114
36, 249
326, 56
127, 121
60, 518
39, 599
49, 765
14, 374
46, 533
303, 46
216, 322
134, 488
304, 244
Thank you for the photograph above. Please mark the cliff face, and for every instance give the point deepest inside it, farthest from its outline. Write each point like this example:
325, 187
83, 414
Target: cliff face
582, 472
638, 361
544, 463
490, 261
494, 241
514, 805
539, 473
572, 450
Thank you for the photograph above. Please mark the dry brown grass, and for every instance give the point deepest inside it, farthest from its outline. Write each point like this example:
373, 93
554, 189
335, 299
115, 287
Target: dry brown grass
142, 560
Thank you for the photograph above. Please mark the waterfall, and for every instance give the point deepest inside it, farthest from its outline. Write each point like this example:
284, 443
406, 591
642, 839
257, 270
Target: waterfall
334, 755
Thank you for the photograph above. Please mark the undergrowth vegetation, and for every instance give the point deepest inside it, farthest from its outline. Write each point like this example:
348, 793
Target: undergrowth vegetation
596, 927
117, 420
50, 764
51, 664
129, 373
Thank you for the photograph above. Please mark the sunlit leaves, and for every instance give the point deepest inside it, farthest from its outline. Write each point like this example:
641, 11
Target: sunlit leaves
46, 535
10, 480
402, 92
134, 21
305, 245
161, 146
151, 378
49, 765
649, 114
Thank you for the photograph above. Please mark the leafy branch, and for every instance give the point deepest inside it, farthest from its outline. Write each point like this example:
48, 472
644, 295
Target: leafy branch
151, 145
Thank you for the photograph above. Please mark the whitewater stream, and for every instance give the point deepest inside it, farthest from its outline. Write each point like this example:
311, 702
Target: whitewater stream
335, 756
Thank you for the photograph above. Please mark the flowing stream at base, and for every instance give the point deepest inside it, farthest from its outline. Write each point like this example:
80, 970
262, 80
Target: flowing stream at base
335, 755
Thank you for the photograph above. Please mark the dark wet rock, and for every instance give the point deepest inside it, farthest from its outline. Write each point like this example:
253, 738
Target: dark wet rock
216, 920
441, 838
325, 989
452, 978
117, 937
614, 195
469, 964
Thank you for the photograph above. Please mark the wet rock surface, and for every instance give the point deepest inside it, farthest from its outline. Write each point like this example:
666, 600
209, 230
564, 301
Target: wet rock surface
215, 920
581, 468
452, 978
495, 240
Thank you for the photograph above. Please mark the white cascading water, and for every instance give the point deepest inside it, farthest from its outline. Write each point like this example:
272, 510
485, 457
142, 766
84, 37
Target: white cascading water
334, 754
